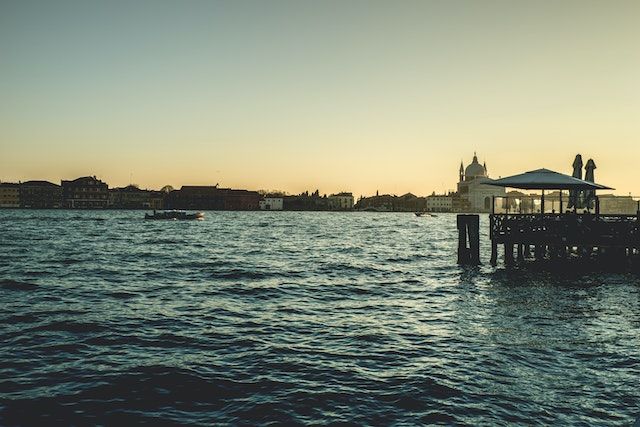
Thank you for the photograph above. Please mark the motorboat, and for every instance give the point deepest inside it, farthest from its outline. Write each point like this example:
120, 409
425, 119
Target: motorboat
175, 215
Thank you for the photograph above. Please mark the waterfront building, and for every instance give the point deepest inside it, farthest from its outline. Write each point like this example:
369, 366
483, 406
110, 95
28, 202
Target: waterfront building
439, 203
86, 192
459, 204
272, 204
196, 197
212, 198
241, 200
611, 204
340, 202
306, 202
474, 187
132, 197
40, 195
391, 203
9, 195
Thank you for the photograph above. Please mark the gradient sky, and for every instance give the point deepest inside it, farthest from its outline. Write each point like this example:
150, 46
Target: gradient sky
336, 95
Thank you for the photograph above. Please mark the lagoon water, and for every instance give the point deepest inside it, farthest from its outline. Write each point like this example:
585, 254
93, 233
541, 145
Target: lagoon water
290, 317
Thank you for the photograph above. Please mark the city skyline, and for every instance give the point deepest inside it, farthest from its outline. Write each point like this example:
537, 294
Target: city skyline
362, 97
266, 190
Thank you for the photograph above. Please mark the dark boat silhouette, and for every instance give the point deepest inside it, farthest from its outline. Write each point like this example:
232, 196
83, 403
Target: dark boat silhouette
175, 215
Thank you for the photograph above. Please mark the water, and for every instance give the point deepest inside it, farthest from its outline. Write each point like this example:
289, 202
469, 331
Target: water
302, 318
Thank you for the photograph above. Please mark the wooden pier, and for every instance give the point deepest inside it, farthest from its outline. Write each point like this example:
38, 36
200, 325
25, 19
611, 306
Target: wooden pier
556, 236
526, 229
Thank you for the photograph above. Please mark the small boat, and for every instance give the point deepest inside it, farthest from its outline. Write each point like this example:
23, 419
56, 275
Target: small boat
419, 213
175, 215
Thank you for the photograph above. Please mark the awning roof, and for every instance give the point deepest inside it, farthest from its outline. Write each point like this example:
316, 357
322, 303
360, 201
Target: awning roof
545, 179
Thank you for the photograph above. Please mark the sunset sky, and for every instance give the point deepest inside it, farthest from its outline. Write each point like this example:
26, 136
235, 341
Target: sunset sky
336, 95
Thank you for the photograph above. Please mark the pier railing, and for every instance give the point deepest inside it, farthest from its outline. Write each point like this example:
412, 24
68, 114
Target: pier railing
566, 229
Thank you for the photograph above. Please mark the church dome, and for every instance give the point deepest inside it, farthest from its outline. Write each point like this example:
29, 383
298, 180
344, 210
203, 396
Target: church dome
475, 169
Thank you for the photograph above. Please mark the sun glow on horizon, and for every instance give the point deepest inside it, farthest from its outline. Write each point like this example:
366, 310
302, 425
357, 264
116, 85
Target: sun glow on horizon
360, 96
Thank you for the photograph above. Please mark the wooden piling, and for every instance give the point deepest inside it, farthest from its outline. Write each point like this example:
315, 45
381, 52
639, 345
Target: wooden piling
468, 226
508, 253
494, 253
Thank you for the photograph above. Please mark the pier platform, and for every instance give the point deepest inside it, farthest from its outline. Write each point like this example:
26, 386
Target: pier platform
557, 235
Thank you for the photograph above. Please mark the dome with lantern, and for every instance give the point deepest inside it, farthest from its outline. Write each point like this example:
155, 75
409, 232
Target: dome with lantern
474, 170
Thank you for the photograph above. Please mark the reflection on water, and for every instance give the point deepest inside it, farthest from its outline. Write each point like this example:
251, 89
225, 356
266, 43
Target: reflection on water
300, 317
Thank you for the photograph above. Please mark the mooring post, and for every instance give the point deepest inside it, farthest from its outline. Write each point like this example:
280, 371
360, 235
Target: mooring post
468, 225
463, 252
474, 239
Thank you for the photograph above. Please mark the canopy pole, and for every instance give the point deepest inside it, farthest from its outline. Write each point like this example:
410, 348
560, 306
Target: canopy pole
542, 204
561, 202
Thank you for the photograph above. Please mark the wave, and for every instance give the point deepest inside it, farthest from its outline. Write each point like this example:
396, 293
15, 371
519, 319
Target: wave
14, 285
122, 295
71, 327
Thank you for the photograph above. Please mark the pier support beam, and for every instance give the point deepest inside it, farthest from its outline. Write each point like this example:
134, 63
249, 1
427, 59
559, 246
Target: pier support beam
468, 226
508, 253
494, 253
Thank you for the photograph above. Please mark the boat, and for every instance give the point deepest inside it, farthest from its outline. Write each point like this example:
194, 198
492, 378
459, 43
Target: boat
425, 213
175, 215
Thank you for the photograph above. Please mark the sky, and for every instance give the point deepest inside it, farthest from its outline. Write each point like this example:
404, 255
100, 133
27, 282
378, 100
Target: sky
354, 95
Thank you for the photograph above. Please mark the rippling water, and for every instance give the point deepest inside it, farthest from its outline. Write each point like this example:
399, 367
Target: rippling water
294, 317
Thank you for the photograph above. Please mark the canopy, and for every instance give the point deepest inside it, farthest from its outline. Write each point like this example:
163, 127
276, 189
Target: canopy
545, 179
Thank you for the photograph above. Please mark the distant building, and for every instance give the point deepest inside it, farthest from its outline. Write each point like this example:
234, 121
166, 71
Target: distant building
87, 192
40, 195
340, 202
132, 197
610, 204
306, 202
213, 198
241, 200
439, 203
474, 188
272, 204
9, 195
196, 197
390, 203
519, 202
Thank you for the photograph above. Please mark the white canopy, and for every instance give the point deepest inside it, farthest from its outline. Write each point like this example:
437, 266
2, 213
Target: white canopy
545, 179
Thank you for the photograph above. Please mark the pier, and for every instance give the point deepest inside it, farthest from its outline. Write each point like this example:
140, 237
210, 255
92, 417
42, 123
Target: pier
557, 236
567, 224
